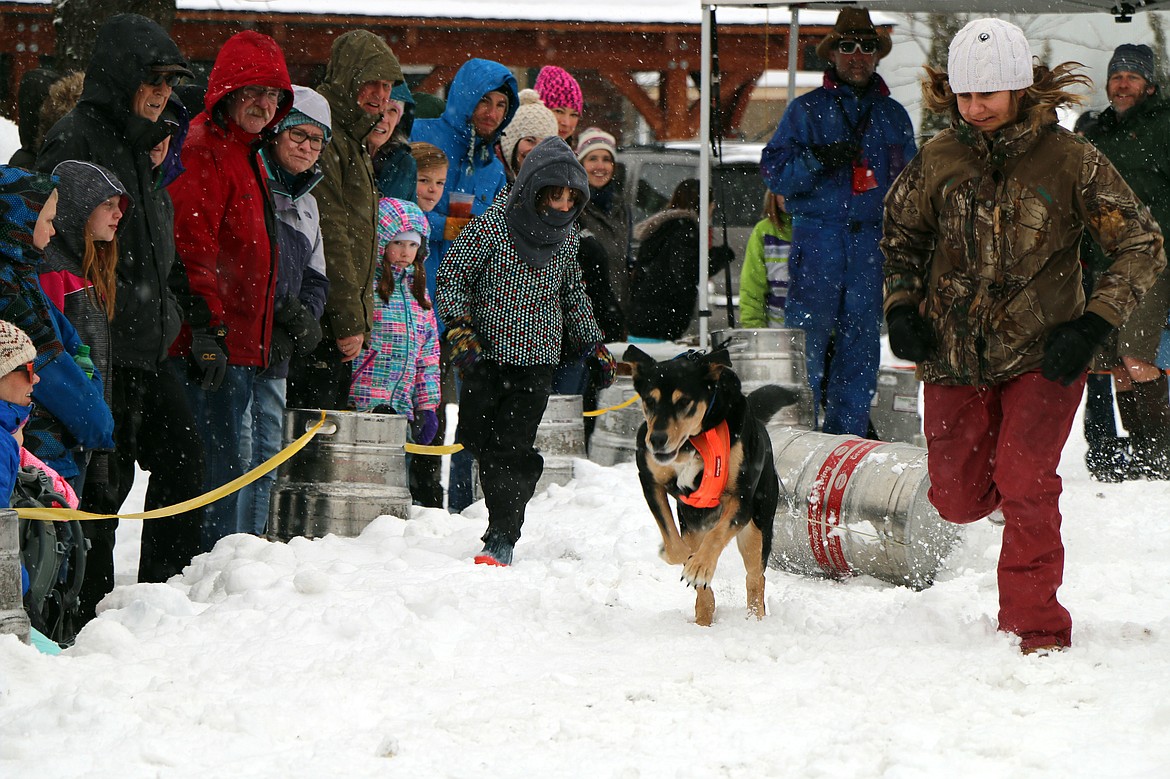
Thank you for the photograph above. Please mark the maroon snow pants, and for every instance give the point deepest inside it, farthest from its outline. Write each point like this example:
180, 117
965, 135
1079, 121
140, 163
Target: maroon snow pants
998, 447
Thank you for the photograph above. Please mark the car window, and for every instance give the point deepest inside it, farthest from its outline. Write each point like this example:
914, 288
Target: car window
739, 190
739, 193
656, 183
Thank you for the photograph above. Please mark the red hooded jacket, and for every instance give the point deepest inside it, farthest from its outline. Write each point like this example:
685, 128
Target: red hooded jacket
225, 225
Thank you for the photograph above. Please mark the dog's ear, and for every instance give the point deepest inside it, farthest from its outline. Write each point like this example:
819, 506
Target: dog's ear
721, 356
716, 362
636, 358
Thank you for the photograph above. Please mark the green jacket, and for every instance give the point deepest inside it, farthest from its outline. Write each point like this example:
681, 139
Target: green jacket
348, 195
1136, 142
983, 236
763, 282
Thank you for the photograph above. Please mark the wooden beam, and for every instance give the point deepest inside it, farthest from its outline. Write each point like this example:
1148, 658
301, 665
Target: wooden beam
679, 121
625, 84
441, 76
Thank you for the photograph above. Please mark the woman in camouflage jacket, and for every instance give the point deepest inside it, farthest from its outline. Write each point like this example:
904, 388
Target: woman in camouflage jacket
983, 291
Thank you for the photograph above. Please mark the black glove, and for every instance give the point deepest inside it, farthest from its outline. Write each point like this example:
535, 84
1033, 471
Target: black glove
1070, 347
834, 155
304, 329
209, 357
719, 257
910, 336
280, 348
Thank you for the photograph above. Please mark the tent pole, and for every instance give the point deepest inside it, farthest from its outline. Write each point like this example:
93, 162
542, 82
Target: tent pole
793, 46
704, 173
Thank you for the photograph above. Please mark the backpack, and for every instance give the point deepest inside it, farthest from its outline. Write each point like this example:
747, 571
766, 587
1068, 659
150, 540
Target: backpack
53, 554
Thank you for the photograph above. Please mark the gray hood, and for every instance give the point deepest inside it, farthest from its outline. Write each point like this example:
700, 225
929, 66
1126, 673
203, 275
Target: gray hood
538, 234
81, 187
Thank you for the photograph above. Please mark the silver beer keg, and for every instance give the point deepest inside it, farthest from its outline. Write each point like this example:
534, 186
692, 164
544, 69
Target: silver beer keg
852, 506
352, 472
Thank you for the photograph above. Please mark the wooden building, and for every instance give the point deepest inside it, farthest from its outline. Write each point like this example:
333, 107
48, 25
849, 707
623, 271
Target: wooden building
609, 59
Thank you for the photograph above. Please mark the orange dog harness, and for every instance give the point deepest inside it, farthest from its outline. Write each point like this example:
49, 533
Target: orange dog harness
714, 446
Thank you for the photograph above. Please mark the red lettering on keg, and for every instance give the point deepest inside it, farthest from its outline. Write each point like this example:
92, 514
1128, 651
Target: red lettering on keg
824, 505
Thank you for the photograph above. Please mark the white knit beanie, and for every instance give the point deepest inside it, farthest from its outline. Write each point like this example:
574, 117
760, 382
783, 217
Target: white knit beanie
15, 348
594, 138
532, 120
989, 55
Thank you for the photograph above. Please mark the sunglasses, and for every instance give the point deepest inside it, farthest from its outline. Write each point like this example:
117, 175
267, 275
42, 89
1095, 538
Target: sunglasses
848, 47
28, 366
299, 136
172, 80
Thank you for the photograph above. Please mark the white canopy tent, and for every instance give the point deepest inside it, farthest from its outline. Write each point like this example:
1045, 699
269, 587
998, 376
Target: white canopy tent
1121, 10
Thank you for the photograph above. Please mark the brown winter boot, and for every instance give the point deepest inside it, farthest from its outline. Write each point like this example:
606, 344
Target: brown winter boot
1145, 412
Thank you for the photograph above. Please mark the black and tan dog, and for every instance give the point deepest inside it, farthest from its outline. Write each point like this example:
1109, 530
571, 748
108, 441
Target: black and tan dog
704, 443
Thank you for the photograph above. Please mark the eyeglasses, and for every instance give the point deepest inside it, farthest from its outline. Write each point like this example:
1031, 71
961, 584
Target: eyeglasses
299, 136
172, 80
848, 47
28, 366
255, 93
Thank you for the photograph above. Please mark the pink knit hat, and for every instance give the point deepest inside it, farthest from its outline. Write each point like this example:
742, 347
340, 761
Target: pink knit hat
558, 89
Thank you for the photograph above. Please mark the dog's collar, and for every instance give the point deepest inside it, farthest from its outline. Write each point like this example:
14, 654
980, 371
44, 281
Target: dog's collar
714, 446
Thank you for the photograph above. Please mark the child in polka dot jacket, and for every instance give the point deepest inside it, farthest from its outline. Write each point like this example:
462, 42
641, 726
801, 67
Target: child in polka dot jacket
509, 289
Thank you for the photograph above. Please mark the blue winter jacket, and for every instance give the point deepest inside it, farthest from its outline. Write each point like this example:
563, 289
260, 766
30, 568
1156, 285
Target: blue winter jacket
11, 417
824, 116
64, 394
472, 165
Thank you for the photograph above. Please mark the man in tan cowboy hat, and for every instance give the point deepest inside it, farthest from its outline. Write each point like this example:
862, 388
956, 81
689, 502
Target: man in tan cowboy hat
834, 155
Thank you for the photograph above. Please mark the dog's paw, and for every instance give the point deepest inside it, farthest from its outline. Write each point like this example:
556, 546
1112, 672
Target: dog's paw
697, 572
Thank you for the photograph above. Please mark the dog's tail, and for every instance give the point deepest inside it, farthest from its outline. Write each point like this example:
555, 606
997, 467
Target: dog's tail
765, 401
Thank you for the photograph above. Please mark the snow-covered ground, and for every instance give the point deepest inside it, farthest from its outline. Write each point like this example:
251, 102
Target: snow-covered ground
392, 654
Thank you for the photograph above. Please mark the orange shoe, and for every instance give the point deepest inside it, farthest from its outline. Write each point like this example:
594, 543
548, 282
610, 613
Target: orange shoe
487, 559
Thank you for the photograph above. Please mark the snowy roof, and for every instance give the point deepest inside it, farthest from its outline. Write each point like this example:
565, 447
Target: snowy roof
615, 11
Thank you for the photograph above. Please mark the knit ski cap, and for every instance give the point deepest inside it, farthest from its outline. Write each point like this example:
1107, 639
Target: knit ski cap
594, 138
989, 55
1133, 58
309, 107
16, 348
532, 120
401, 216
558, 89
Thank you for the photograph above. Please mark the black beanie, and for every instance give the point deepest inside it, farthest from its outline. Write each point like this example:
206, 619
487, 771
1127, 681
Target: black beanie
1133, 58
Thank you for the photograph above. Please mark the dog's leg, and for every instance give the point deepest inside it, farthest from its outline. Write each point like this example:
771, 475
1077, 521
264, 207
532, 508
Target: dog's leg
699, 570
704, 606
751, 547
674, 551
704, 596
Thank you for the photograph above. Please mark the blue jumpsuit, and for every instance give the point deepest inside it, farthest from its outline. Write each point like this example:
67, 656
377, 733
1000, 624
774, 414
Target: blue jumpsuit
835, 268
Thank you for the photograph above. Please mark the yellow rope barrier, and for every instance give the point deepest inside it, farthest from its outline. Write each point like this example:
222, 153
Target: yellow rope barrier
421, 449
65, 514
618, 407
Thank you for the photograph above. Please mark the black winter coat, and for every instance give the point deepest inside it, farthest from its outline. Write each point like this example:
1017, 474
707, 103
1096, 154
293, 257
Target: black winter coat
664, 289
103, 128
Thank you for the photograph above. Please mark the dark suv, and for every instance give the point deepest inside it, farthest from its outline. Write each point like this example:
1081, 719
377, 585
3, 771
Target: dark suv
650, 174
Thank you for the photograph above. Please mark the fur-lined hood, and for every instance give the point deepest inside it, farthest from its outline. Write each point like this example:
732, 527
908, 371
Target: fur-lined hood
646, 228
